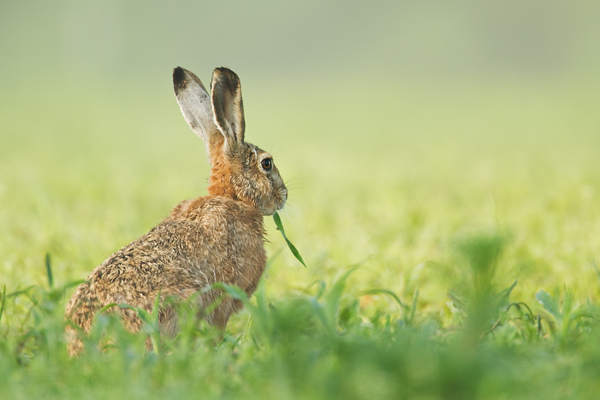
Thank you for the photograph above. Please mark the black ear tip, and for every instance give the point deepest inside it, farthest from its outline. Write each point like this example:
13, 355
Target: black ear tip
226, 73
179, 77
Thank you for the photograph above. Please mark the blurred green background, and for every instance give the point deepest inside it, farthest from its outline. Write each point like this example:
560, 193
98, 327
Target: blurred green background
399, 126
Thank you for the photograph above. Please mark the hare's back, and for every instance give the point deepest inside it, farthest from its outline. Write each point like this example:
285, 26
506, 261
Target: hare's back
164, 259
212, 240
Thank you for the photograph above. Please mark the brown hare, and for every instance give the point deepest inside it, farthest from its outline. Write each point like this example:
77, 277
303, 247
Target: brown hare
209, 239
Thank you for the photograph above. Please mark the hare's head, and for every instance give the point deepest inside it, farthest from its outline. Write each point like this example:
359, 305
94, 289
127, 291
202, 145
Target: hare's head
238, 169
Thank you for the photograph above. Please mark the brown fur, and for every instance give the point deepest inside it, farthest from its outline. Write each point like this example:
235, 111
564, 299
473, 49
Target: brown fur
215, 238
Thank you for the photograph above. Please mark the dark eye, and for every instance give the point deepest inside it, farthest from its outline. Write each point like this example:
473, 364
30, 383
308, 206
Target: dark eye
267, 164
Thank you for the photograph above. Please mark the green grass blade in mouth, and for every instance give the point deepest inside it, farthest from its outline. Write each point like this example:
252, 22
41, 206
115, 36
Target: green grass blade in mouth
293, 248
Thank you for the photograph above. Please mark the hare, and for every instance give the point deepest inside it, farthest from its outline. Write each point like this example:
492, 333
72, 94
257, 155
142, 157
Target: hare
209, 239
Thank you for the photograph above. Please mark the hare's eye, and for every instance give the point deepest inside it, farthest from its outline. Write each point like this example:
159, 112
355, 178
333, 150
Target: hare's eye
267, 164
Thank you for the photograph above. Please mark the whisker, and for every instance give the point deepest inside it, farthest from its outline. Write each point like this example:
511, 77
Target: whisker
293, 188
296, 179
284, 210
287, 214
276, 153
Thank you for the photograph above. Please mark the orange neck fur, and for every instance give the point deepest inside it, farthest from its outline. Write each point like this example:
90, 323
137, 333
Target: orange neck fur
219, 182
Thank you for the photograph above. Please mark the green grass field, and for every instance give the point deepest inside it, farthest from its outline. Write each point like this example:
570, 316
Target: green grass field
415, 208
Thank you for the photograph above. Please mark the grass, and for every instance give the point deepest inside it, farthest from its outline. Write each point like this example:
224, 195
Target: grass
450, 237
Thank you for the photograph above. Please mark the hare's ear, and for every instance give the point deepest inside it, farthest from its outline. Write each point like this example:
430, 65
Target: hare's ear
196, 107
227, 104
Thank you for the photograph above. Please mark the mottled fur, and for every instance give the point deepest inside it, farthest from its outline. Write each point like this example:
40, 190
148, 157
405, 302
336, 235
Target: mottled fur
215, 238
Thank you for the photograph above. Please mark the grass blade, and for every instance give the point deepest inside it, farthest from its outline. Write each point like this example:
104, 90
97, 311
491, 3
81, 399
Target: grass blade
549, 303
387, 292
142, 313
106, 307
293, 249
504, 296
332, 299
2, 302
49, 271
413, 308
156, 307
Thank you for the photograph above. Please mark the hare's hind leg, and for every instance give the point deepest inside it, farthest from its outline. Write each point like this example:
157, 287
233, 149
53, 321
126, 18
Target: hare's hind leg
167, 325
80, 312
74, 343
221, 315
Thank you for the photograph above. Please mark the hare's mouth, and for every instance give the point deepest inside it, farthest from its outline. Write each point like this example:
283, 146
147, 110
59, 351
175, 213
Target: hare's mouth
278, 201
